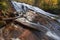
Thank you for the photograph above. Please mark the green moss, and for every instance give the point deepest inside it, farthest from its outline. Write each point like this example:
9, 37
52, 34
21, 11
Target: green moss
1, 23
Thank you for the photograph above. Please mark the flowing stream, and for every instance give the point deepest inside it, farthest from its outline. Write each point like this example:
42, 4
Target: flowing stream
54, 34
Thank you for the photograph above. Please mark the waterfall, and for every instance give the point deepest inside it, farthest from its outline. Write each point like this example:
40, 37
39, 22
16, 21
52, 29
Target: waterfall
22, 7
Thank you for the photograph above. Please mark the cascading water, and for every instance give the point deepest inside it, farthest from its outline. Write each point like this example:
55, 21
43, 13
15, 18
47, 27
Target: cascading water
23, 7
55, 34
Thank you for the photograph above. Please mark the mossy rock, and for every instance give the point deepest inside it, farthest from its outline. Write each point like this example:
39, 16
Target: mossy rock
2, 23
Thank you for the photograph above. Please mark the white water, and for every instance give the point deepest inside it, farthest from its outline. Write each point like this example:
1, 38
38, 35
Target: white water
53, 35
18, 7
